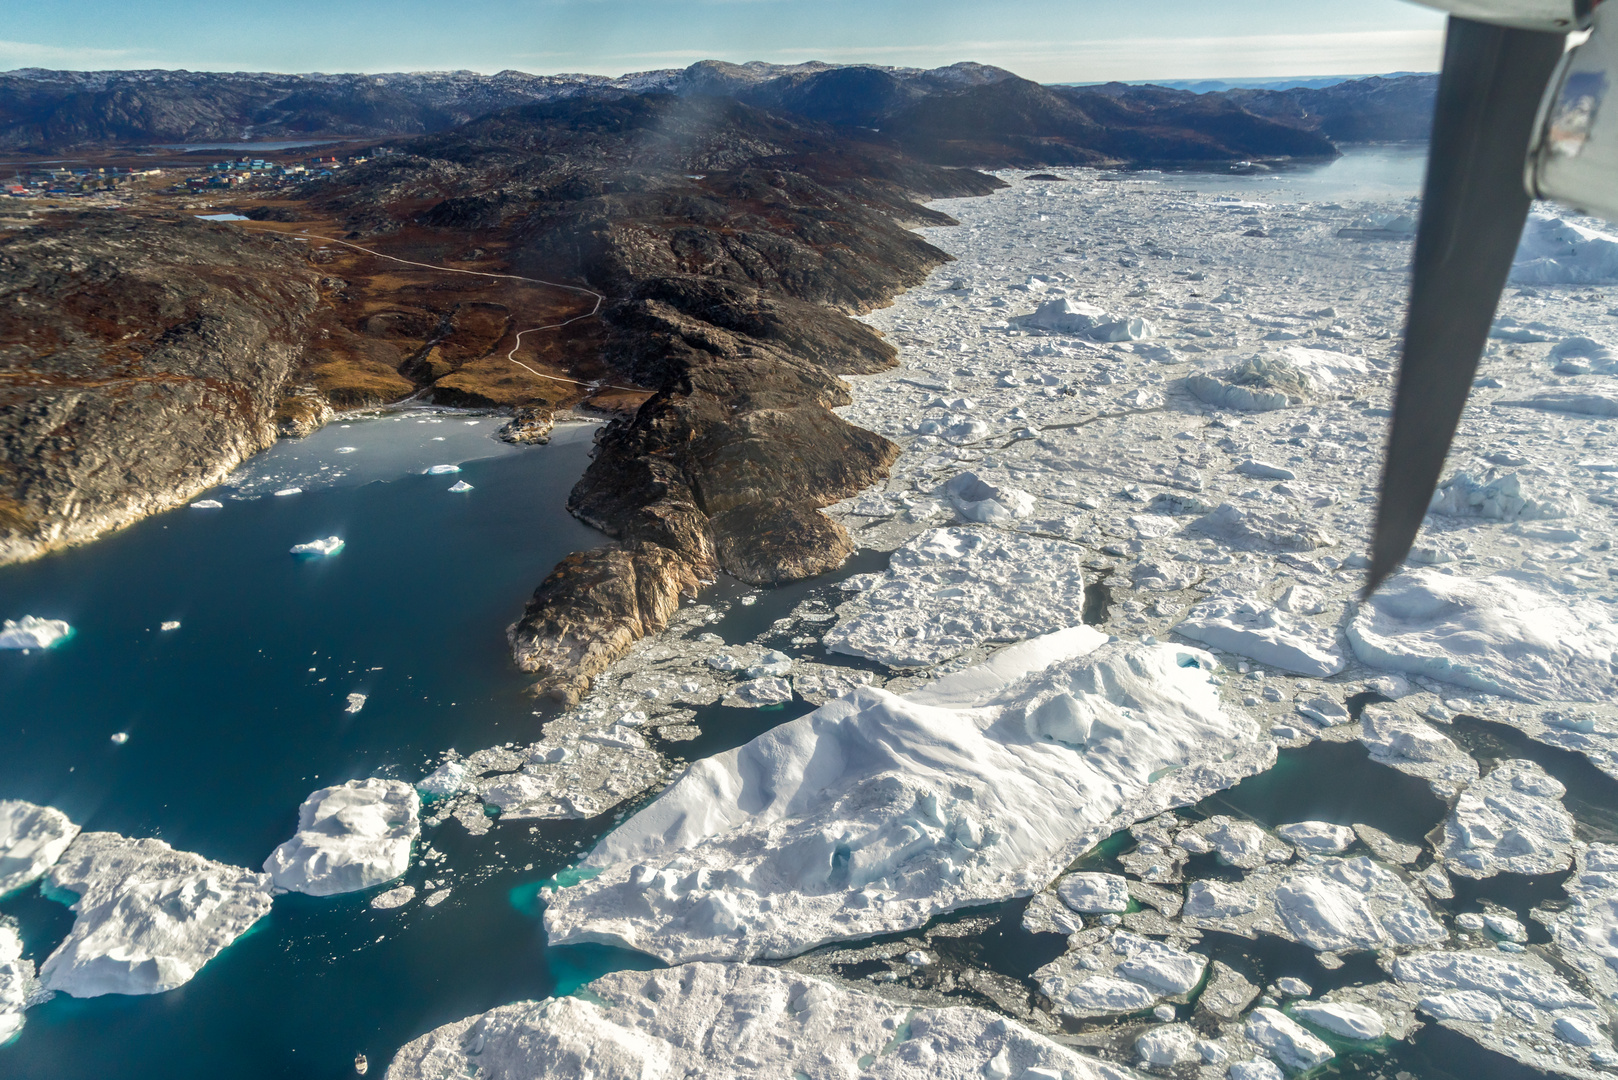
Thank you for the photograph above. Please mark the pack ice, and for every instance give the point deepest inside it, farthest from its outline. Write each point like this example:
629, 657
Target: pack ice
735, 1020
1066, 316
1266, 634
32, 838
148, 917
31, 633
350, 837
1555, 250
1510, 821
1493, 634
875, 812
950, 589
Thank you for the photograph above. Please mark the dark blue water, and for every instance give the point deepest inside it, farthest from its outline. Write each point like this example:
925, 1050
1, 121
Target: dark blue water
229, 730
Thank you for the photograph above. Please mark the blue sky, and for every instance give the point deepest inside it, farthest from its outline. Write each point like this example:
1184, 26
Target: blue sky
1049, 40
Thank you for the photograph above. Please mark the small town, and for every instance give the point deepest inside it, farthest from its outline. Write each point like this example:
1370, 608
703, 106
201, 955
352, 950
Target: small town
58, 180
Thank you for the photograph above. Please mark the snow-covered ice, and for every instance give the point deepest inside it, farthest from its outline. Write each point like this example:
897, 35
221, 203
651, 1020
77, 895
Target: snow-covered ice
1094, 894
1347, 1020
1493, 634
440, 470
32, 838
1285, 1040
207, 504
350, 836
950, 589
1266, 634
147, 917
460, 486
16, 981
1318, 837
31, 633
331, 545
393, 898
356, 702
1511, 821
1556, 250
874, 813
735, 1020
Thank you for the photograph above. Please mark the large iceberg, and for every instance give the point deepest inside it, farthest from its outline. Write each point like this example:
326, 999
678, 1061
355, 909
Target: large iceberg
950, 589
32, 838
1557, 251
148, 917
31, 633
350, 837
1064, 316
735, 1020
1493, 634
16, 981
875, 812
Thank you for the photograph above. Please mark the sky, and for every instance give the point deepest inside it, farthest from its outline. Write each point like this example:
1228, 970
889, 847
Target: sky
1047, 40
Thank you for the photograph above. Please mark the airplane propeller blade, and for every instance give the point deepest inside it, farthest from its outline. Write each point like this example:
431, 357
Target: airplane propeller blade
1472, 214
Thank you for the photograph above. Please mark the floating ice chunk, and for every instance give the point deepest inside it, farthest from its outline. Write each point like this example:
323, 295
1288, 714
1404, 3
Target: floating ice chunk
1578, 1030
1491, 634
1256, 1069
32, 838
148, 917
393, 898
1520, 978
1093, 894
1319, 837
771, 663
1253, 530
1158, 966
331, 545
758, 692
1511, 821
1506, 328
1266, 634
1585, 933
1263, 470
1095, 995
31, 633
1500, 499
350, 836
207, 504
1065, 316
290, 491
1346, 1019
950, 589
440, 470
1557, 251
448, 780
1217, 900
1471, 1006
735, 1020
1285, 1040
1415, 747
1584, 356
16, 981
1167, 1046
345, 449
437, 898
356, 702
1327, 915
1256, 384
1580, 404
978, 500
172, 624
460, 485
874, 813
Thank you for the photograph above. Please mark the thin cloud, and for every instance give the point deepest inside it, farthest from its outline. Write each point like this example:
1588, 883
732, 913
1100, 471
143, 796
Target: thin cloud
33, 54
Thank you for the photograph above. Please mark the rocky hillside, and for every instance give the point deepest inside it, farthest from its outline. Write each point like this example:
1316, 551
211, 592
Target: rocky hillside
140, 361
964, 114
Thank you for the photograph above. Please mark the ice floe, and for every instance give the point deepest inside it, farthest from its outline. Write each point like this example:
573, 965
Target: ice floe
1499, 498
31, 633
207, 504
356, 702
1413, 746
17, 983
460, 486
1064, 316
1094, 894
147, 917
1493, 634
1360, 1022
1317, 837
32, 838
950, 589
1511, 821
1266, 634
393, 898
440, 470
1109, 973
1556, 250
737, 1020
331, 545
874, 813
350, 836
978, 500
1285, 1040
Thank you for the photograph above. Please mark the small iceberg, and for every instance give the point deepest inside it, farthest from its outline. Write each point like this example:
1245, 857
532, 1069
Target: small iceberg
207, 504
119, 738
31, 633
329, 546
290, 491
461, 485
356, 702
440, 470
345, 449
172, 624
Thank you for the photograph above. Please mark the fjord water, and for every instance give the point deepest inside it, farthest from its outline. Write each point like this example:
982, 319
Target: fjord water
229, 729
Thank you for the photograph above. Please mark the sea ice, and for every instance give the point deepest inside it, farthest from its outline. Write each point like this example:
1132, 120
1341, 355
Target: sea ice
735, 1020
1285, 1040
290, 491
1167, 1046
31, 633
1064, 316
331, 545
350, 836
1511, 821
356, 702
1317, 837
1558, 251
207, 504
1498, 499
393, 898
1255, 530
874, 813
1094, 894
1266, 634
1348, 1020
1492, 634
759, 692
440, 470
16, 981
32, 838
1585, 933
148, 917
1112, 973
1255, 384
950, 589
978, 500
1413, 746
